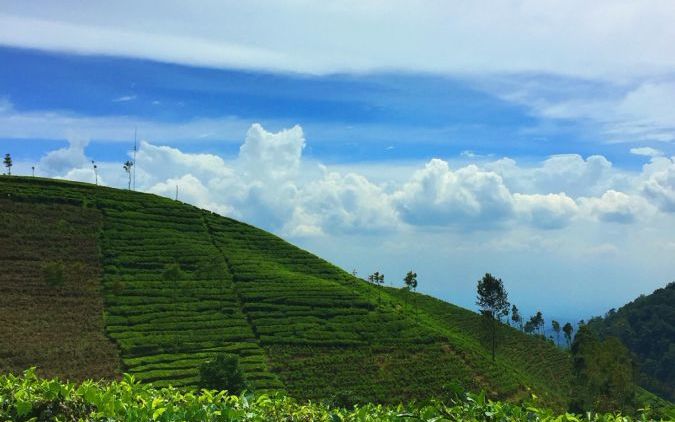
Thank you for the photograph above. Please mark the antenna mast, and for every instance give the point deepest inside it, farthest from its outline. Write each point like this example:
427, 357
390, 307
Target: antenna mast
134, 167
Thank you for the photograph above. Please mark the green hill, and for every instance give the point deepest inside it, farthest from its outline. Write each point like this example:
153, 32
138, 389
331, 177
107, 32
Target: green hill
647, 327
98, 281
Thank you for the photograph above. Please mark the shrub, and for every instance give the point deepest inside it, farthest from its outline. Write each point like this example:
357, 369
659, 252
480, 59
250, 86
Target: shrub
223, 373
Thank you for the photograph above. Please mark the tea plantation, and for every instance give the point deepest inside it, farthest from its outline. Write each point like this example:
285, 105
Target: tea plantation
30, 398
155, 287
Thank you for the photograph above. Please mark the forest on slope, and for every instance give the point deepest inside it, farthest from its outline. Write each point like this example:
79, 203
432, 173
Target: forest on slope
647, 327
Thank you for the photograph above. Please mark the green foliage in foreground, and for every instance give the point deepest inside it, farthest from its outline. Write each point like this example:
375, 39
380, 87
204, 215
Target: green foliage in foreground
28, 397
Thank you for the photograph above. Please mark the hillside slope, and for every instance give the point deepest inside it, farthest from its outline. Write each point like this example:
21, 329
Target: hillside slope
647, 327
56, 323
178, 284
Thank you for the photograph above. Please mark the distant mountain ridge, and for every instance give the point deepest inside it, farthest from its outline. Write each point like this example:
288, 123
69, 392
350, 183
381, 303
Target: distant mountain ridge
647, 327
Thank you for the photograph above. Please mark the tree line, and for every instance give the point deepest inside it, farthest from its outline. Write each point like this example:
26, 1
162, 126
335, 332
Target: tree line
603, 371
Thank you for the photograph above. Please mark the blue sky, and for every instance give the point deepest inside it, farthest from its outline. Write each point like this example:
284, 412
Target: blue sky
365, 117
446, 137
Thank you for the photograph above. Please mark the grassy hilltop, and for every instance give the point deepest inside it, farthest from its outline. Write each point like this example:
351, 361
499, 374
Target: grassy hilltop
155, 287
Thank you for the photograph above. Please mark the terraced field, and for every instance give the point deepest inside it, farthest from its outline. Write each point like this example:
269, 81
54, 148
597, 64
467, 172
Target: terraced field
177, 284
169, 295
56, 324
327, 332
535, 363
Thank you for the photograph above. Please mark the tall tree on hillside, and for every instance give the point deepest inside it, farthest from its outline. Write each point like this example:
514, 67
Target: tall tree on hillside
380, 282
556, 327
410, 281
8, 163
516, 318
538, 320
568, 330
127, 167
493, 302
377, 279
535, 323
529, 326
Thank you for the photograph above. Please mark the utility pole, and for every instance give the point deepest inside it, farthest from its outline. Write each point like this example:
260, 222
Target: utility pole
134, 159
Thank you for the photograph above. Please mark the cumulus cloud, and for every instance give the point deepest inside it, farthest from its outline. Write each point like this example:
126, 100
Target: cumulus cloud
343, 203
550, 211
271, 156
659, 183
436, 195
616, 207
166, 161
270, 185
190, 189
63, 160
571, 172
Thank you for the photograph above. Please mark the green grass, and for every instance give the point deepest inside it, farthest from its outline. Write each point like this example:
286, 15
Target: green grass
298, 323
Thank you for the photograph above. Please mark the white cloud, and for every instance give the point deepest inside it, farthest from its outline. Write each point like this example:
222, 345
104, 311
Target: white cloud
617, 207
343, 203
659, 183
124, 98
646, 151
190, 189
637, 109
609, 37
271, 156
166, 161
64, 159
116, 40
270, 185
550, 211
569, 173
436, 195
83, 174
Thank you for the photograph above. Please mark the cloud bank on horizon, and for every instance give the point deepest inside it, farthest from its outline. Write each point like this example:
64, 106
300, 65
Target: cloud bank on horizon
532, 139
269, 184
581, 210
